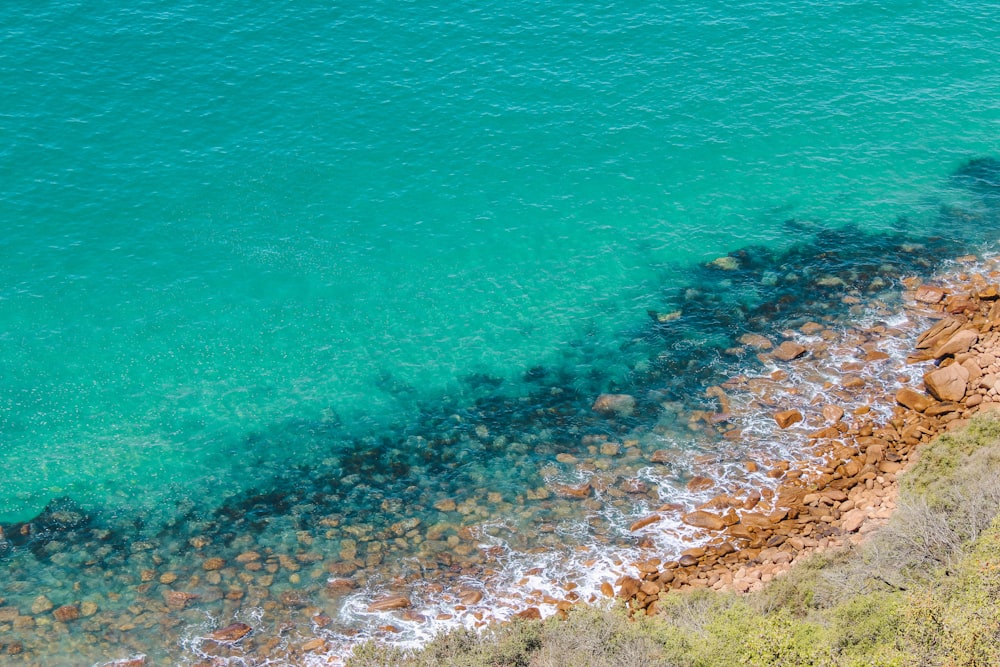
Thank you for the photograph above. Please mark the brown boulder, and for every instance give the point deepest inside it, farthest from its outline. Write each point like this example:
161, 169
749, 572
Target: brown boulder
614, 404
756, 341
231, 633
699, 483
389, 603
470, 596
914, 400
851, 521
529, 614
628, 587
929, 294
702, 519
662, 456
939, 333
786, 418
961, 342
178, 600
789, 350
948, 383
833, 413
645, 521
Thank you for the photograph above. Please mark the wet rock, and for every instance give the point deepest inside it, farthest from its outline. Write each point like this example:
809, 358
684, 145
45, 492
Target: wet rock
645, 521
786, 418
948, 383
702, 519
231, 633
756, 341
833, 413
662, 456
66, 613
389, 603
929, 294
313, 645
529, 614
699, 483
607, 589
340, 586
8, 614
614, 404
134, 661
788, 351
567, 491
470, 597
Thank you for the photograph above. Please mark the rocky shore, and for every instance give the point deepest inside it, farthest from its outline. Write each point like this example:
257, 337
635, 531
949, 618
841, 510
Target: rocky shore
849, 486
835, 389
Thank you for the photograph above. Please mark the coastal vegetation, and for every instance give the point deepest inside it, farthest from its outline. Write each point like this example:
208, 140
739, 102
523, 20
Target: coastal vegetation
920, 591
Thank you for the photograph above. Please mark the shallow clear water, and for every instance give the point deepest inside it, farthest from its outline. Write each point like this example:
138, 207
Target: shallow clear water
243, 247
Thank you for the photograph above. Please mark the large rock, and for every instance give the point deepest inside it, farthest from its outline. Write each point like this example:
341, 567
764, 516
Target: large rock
231, 633
789, 350
939, 333
851, 521
914, 400
756, 341
947, 384
389, 603
929, 294
702, 519
645, 521
957, 344
614, 404
786, 418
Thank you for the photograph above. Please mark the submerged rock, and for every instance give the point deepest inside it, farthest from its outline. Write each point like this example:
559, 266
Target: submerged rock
614, 404
231, 633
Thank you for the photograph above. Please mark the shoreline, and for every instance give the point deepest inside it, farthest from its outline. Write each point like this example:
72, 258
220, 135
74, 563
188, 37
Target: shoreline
853, 491
730, 559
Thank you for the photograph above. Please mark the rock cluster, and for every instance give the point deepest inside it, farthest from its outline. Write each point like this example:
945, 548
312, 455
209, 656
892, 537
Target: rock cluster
854, 491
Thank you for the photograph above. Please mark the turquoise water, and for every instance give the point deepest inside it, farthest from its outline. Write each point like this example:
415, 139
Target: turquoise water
234, 239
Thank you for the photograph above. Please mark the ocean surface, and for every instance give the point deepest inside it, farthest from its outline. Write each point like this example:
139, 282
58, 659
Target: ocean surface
290, 277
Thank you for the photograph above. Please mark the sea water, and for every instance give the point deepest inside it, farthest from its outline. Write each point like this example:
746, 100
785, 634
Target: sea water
268, 267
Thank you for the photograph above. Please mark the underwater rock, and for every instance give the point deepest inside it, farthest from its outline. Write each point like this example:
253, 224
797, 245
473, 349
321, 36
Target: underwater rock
702, 519
389, 603
178, 600
614, 404
41, 605
231, 633
66, 613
